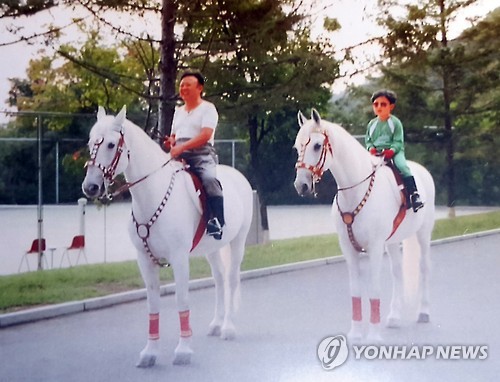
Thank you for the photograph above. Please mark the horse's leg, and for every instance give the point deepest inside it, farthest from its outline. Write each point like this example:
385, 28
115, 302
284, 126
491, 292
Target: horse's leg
394, 317
353, 266
183, 351
150, 275
424, 239
233, 296
375, 259
215, 261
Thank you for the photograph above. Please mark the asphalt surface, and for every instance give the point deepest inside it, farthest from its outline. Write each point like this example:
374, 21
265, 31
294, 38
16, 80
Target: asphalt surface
281, 321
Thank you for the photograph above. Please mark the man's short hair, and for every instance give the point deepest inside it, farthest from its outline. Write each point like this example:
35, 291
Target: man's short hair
389, 94
197, 75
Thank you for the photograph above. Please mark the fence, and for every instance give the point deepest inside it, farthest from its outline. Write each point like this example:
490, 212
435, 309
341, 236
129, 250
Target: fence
48, 168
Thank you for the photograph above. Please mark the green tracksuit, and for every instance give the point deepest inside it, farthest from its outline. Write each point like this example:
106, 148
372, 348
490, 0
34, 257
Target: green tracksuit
388, 135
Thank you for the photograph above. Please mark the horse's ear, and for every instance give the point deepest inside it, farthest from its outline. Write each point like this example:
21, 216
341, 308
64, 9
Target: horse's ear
301, 118
315, 116
120, 118
100, 112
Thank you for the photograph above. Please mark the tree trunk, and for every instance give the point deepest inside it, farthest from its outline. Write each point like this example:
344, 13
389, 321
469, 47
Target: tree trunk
448, 124
253, 129
168, 67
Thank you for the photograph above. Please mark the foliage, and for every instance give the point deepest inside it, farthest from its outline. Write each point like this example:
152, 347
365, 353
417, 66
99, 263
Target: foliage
448, 96
260, 63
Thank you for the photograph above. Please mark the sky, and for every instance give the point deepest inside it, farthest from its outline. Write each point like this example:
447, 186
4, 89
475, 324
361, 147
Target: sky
355, 16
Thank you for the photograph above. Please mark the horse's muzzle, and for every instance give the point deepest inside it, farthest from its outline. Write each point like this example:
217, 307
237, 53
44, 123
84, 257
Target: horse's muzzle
92, 190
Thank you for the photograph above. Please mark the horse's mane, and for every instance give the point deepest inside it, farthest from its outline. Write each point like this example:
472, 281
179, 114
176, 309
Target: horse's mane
334, 131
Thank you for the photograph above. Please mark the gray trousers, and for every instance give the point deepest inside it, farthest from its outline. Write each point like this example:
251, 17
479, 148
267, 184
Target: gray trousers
202, 161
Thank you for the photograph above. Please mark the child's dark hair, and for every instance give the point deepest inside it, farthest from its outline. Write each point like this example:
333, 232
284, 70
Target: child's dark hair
389, 94
197, 75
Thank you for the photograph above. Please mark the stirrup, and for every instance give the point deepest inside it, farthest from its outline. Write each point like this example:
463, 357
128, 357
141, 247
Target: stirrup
416, 203
214, 228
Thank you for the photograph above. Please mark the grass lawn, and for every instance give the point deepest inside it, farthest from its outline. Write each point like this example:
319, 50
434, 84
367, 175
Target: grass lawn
61, 285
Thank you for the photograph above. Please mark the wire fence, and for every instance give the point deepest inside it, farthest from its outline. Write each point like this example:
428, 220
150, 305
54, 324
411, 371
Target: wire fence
43, 163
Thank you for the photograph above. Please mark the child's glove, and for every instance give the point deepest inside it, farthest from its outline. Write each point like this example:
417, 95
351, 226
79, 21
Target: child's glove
373, 151
388, 153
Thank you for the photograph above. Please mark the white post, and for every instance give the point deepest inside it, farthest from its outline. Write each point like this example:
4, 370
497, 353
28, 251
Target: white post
82, 202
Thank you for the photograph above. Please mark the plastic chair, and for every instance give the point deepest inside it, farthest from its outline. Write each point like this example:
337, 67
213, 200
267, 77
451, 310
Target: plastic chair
33, 250
77, 244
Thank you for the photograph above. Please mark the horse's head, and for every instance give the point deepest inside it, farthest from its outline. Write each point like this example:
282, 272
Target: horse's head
106, 145
314, 153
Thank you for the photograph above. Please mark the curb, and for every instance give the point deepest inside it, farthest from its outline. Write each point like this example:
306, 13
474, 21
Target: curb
57, 310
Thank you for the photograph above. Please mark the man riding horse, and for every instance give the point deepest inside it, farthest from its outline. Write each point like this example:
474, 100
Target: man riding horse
192, 140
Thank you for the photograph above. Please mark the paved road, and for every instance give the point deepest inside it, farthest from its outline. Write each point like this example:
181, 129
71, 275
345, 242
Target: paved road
282, 320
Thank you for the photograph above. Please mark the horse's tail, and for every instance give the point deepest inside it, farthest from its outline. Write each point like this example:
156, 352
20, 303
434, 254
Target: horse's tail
411, 277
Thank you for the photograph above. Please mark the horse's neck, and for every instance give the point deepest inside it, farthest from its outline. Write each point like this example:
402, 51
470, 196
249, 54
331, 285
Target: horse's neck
146, 159
351, 162
145, 155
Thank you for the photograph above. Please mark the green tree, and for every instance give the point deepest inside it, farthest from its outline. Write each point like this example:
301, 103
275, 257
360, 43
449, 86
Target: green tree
257, 56
422, 58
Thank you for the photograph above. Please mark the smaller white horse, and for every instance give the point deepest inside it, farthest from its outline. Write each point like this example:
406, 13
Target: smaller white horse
165, 218
365, 210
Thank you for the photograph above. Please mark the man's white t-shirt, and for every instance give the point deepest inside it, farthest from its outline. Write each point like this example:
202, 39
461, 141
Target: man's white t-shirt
189, 124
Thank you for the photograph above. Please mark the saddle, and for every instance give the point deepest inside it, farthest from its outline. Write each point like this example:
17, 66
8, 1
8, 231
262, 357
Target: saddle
405, 198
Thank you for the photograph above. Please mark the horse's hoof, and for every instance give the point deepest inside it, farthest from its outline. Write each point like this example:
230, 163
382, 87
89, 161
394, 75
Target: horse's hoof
146, 361
423, 318
182, 359
228, 334
393, 323
214, 330
374, 336
355, 335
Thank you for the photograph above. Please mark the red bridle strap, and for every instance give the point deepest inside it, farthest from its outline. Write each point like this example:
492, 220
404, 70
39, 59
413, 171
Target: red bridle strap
317, 170
108, 172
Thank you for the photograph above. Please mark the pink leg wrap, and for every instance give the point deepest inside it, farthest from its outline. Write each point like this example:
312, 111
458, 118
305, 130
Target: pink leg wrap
154, 326
375, 311
185, 327
356, 309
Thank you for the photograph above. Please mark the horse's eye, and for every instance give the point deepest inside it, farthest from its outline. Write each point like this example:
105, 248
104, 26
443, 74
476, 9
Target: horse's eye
111, 145
317, 146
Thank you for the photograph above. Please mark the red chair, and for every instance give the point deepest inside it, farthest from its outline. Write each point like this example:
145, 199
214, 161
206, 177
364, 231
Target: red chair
77, 244
34, 250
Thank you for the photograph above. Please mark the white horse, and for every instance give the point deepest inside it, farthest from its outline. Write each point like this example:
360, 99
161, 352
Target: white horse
364, 209
165, 216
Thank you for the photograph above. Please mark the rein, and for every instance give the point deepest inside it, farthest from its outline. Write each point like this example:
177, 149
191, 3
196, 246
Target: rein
109, 173
129, 185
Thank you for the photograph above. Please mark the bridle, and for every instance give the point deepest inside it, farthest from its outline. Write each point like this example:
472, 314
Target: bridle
316, 170
143, 229
108, 172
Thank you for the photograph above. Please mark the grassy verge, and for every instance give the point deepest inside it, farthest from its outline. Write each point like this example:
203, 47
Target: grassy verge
60, 285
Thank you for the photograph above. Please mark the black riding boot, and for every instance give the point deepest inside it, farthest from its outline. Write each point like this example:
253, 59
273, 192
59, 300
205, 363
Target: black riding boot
411, 188
216, 222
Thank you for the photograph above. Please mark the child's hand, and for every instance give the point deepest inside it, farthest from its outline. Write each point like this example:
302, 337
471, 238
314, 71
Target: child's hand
388, 153
373, 151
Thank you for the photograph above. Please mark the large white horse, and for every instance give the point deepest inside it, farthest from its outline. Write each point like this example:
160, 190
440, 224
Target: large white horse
364, 209
165, 216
